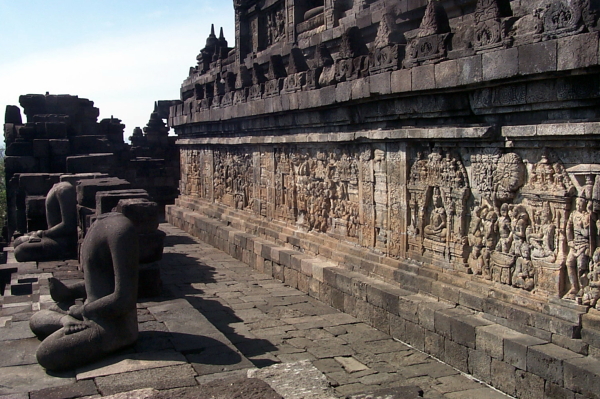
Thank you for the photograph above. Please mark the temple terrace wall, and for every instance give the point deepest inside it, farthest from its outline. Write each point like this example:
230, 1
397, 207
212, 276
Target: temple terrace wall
428, 167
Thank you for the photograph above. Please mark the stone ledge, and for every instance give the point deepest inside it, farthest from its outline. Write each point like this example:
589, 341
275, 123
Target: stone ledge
551, 129
470, 341
374, 135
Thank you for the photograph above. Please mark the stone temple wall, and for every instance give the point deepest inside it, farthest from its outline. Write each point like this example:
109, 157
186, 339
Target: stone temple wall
430, 167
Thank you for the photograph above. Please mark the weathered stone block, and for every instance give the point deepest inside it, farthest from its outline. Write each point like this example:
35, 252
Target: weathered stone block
556, 392
35, 206
528, 385
343, 92
360, 88
490, 339
397, 327
59, 147
471, 300
38, 183
537, 57
423, 78
415, 335
401, 81
547, 361
582, 375
444, 320
464, 329
515, 349
74, 179
578, 51
445, 291
470, 70
408, 307
434, 344
14, 165
503, 376
41, 148
456, 355
20, 149
87, 189
107, 200
378, 318
500, 64
427, 311
480, 365
380, 83
104, 163
447, 74
290, 277
383, 297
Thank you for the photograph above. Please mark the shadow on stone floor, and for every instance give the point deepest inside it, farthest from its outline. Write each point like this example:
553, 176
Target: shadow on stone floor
222, 317
172, 240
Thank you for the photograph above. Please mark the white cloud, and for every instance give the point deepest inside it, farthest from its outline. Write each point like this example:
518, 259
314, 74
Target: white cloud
122, 75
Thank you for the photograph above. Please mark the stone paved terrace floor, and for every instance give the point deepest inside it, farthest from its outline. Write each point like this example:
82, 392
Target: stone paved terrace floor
216, 320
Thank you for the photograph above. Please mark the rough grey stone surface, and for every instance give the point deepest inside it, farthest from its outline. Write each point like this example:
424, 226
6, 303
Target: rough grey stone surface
300, 380
217, 319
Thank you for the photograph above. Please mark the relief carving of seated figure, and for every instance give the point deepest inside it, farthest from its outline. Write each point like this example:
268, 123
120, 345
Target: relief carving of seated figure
59, 241
77, 334
436, 229
542, 242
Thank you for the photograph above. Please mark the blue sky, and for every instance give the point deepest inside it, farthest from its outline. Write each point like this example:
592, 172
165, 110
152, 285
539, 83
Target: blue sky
123, 55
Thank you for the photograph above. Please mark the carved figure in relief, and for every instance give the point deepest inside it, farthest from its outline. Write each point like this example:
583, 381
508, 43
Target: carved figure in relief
504, 230
520, 228
276, 26
476, 228
490, 230
436, 229
476, 261
578, 238
591, 293
542, 241
524, 273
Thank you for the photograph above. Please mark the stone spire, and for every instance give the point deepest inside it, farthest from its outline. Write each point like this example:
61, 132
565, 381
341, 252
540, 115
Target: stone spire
212, 40
435, 21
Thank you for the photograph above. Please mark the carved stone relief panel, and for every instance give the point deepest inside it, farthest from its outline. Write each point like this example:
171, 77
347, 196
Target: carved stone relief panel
196, 173
528, 224
327, 188
496, 176
285, 186
397, 208
492, 25
233, 178
438, 188
276, 25
562, 18
265, 182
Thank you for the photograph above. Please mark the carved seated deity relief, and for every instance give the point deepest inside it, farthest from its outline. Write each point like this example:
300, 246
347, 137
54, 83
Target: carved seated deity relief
542, 241
438, 221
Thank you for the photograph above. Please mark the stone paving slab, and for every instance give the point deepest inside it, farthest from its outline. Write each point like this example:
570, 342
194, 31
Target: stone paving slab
157, 378
130, 362
216, 320
31, 377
